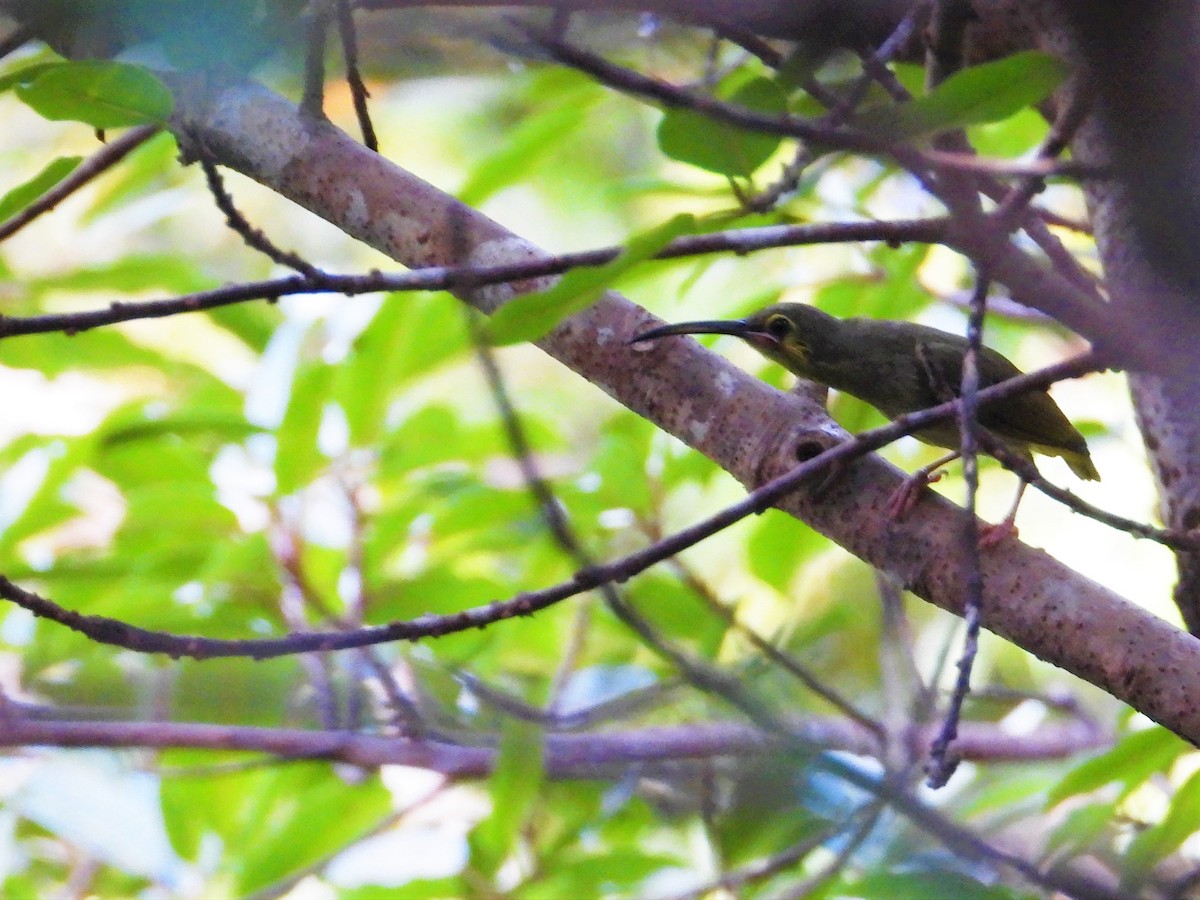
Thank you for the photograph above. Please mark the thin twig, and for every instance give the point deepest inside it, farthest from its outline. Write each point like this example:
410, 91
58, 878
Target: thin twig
637, 84
448, 278
941, 764
551, 510
292, 600
899, 675
358, 90
254, 237
567, 755
406, 717
760, 49
619, 707
1168, 537
865, 820
762, 869
99, 162
312, 102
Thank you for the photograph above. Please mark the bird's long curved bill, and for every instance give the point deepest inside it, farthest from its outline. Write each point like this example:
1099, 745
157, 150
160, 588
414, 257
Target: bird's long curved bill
736, 327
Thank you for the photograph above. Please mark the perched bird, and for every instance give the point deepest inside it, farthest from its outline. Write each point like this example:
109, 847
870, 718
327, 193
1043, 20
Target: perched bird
899, 368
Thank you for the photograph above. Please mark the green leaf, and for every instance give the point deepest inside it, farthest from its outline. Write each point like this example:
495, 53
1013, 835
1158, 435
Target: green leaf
778, 546
621, 461
582, 874
152, 167
926, 886
1153, 844
52, 466
418, 889
1131, 762
100, 94
272, 821
297, 456
1081, 828
131, 273
1019, 133
252, 323
515, 786
986, 93
25, 74
245, 693
692, 137
24, 194
531, 316
436, 434
529, 140
676, 613
410, 336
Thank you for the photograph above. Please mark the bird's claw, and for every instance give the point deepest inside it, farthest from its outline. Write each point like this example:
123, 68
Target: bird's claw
991, 535
901, 503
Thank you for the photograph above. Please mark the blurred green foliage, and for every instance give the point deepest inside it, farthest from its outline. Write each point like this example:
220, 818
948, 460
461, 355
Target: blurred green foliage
321, 461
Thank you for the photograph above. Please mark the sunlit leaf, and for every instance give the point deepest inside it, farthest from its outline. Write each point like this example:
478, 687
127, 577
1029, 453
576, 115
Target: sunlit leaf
778, 547
930, 886
987, 92
692, 137
514, 786
531, 316
26, 73
1154, 843
134, 272
1131, 762
527, 141
21, 196
100, 94
298, 456
410, 336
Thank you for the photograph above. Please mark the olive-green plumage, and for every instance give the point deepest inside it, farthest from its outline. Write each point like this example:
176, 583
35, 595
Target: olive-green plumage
900, 367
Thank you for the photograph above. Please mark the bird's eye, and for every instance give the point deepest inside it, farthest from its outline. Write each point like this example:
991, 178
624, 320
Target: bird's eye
778, 327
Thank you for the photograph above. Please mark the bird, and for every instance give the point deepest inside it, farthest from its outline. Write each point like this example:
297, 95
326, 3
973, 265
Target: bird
900, 368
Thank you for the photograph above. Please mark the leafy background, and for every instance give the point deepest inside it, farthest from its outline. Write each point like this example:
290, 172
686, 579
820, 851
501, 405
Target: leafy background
272, 467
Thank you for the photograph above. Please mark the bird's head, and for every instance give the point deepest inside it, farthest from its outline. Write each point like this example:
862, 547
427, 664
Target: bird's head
787, 333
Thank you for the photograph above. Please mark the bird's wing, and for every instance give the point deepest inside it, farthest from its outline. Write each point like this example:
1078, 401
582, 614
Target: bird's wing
1030, 418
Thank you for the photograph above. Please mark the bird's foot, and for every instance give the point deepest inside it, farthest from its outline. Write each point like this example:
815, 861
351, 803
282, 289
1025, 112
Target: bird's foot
991, 535
901, 503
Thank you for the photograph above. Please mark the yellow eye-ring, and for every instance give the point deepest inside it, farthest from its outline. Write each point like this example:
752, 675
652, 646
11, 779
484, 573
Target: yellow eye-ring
778, 327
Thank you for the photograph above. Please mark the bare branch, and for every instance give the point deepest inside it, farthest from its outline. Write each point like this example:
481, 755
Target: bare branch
567, 755
439, 278
358, 90
941, 763
254, 237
